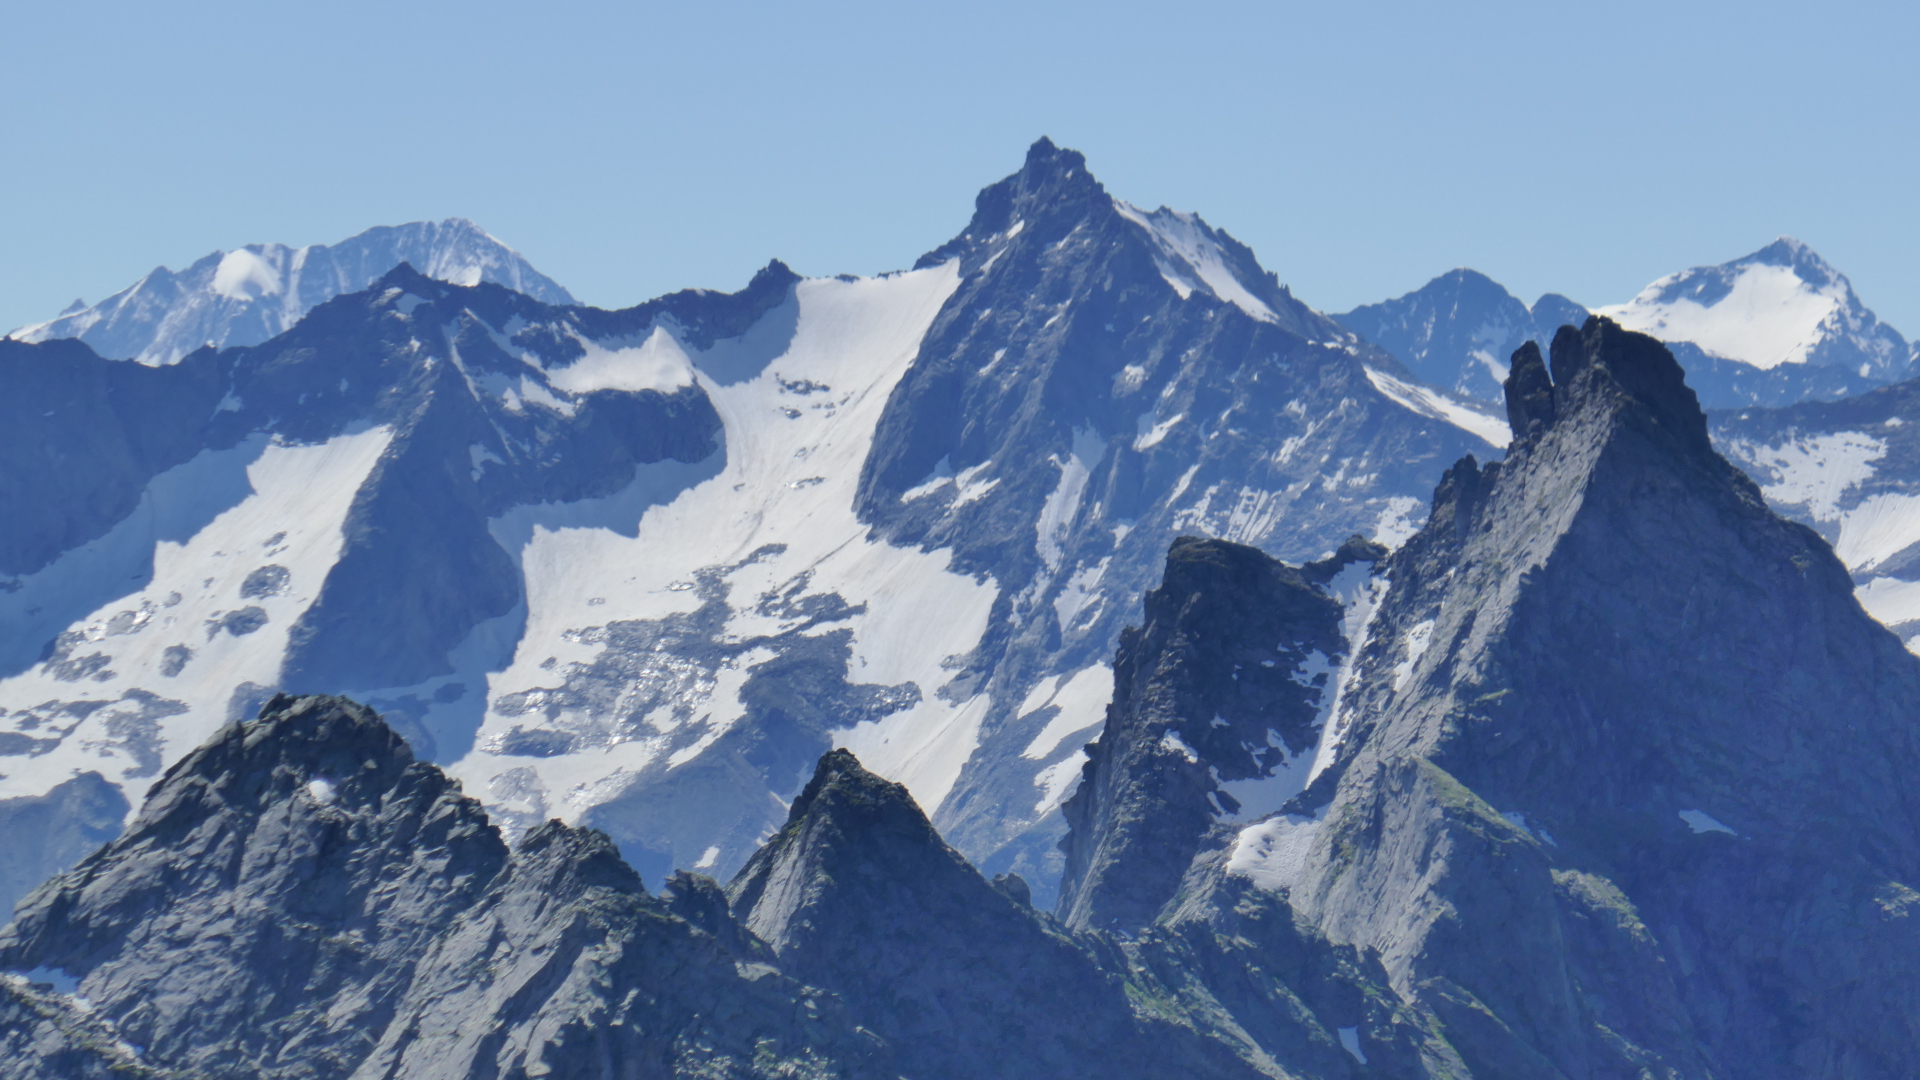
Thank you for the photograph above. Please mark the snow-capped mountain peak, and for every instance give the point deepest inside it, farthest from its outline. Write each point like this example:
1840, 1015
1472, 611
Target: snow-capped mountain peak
1783, 304
250, 294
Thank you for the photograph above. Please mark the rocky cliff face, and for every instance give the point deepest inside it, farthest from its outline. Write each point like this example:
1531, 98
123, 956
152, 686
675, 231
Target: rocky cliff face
860, 895
46, 1035
1217, 709
1585, 804
639, 569
300, 897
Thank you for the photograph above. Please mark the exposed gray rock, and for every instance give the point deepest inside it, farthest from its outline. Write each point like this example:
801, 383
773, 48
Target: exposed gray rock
300, 898
1224, 683
1623, 788
1103, 397
49, 1036
858, 893
1457, 330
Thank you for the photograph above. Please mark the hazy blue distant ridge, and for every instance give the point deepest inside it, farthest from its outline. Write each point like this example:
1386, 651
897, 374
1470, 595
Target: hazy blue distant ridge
251, 294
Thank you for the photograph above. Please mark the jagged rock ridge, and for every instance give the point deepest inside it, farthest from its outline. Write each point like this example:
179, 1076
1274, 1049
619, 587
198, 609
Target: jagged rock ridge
300, 898
1217, 710
1620, 789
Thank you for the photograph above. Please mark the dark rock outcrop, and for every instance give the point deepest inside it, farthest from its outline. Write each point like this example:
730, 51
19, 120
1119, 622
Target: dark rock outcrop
48, 1036
300, 898
1625, 787
859, 894
1224, 682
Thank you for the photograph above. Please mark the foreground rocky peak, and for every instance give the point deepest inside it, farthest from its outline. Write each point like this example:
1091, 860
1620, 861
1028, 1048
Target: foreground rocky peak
1583, 806
299, 897
858, 894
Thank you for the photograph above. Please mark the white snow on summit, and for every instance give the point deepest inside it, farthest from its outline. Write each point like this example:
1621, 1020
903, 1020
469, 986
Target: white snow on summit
1776, 306
246, 296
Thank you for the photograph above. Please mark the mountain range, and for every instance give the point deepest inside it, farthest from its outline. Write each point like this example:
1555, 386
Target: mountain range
1772, 328
1559, 777
638, 569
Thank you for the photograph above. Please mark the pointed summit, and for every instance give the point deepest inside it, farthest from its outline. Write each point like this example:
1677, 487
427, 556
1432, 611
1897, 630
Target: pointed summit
300, 898
858, 894
1610, 689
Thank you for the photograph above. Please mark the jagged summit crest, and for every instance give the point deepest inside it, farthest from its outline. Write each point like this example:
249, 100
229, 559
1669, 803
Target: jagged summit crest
1598, 360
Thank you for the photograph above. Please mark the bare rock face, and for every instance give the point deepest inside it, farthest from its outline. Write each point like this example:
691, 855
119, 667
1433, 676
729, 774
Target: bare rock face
860, 895
1625, 784
1223, 684
300, 897
48, 1036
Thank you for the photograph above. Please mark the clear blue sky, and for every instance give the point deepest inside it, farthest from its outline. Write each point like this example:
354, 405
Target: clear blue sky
633, 149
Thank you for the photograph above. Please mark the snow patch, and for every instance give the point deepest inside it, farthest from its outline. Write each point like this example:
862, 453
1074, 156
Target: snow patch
659, 363
180, 608
1056, 781
1189, 255
1151, 433
1057, 514
1418, 638
1172, 743
1702, 822
1814, 471
1273, 853
1403, 516
1359, 591
1428, 402
1350, 1042
1082, 701
774, 510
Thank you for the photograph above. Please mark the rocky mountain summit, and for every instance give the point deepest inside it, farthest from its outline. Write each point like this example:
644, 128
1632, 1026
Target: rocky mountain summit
1778, 326
1601, 774
299, 897
1580, 792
